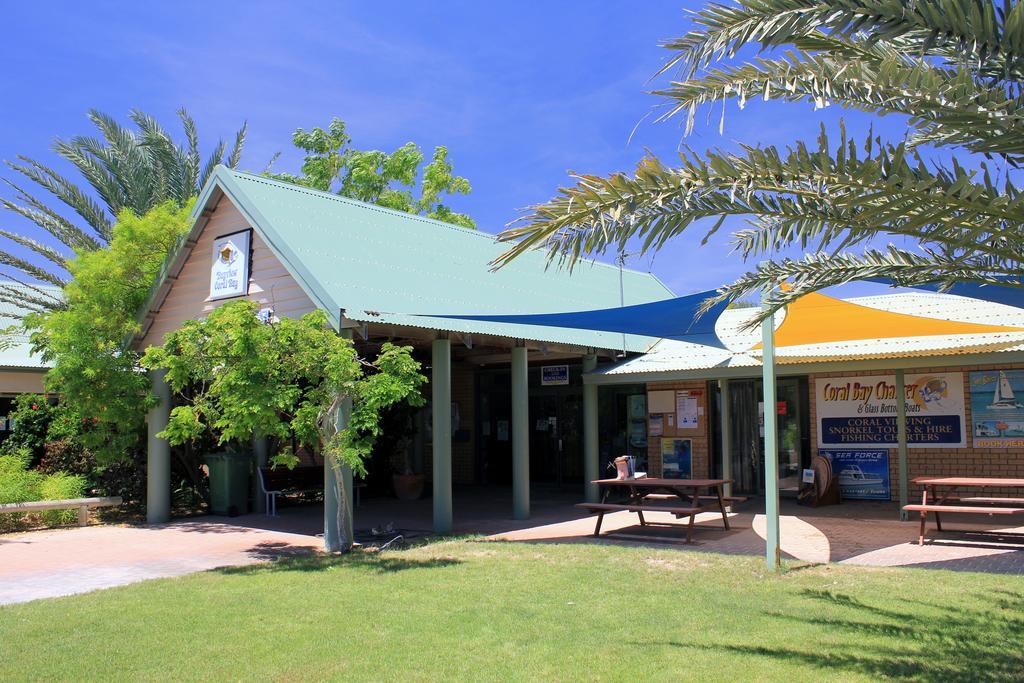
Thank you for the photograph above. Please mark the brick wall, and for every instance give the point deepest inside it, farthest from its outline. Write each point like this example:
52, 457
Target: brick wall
963, 462
700, 436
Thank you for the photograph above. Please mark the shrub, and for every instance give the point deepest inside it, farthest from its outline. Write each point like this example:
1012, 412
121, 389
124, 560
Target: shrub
15, 460
67, 455
18, 484
31, 420
61, 486
125, 478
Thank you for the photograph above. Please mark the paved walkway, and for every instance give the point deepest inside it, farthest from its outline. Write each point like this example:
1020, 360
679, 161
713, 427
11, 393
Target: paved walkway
47, 564
813, 536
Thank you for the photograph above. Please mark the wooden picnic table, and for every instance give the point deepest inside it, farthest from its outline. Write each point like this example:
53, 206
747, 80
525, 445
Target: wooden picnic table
942, 494
680, 497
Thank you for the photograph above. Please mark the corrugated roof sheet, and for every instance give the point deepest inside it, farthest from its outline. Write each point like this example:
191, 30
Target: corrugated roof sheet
668, 356
392, 267
15, 349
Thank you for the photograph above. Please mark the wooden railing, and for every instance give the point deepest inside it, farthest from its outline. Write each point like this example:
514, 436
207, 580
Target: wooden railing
83, 505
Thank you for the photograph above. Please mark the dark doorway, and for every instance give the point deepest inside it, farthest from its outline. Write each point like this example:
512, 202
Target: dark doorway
747, 414
555, 428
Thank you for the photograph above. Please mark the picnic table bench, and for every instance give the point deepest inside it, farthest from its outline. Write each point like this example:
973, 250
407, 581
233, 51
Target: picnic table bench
951, 502
658, 495
282, 481
83, 505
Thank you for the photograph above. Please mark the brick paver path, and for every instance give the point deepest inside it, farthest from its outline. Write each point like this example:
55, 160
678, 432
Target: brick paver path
45, 564
812, 538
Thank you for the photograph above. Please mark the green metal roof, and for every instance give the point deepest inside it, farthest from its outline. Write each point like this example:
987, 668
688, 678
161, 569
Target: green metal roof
386, 266
15, 349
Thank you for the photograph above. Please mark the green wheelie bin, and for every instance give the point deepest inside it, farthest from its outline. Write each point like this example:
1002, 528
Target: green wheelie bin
229, 483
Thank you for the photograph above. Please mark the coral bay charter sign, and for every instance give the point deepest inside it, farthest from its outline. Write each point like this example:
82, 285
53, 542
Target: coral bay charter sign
229, 274
860, 412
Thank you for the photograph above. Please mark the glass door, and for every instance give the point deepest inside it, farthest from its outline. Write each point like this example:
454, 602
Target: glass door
788, 416
747, 412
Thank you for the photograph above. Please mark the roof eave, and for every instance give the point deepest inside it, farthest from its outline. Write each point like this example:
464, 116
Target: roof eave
603, 377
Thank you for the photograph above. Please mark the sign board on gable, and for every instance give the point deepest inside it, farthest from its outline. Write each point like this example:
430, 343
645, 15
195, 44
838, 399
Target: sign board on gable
229, 272
554, 375
861, 411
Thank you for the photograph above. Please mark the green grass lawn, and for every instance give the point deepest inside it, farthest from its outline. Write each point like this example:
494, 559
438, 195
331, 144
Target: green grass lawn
474, 610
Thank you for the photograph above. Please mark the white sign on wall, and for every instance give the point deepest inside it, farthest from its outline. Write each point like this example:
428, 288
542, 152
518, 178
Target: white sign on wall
229, 274
686, 410
860, 412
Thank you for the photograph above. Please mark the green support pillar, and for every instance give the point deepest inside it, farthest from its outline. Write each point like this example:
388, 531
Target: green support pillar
520, 434
725, 427
591, 452
771, 442
441, 389
338, 535
158, 455
901, 439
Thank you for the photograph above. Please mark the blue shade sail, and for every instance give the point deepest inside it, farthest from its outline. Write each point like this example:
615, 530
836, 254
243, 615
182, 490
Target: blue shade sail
669, 319
1009, 295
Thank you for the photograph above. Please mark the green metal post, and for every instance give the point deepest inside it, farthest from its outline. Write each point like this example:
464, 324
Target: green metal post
591, 451
338, 489
771, 441
901, 439
520, 434
158, 453
725, 424
441, 408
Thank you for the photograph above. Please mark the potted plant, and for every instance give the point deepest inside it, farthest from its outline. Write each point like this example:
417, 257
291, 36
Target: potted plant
396, 437
408, 485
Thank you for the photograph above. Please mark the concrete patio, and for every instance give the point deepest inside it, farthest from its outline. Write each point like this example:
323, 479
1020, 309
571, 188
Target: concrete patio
60, 562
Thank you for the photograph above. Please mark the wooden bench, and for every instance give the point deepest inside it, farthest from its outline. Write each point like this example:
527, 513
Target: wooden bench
713, 499
83, 505
284, 482
937, 508
679, 511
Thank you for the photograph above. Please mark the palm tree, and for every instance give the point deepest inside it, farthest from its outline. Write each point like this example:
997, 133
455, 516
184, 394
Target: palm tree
123, 169
955, 68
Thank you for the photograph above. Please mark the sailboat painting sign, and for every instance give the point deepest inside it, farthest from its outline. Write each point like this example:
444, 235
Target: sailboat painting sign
997, 408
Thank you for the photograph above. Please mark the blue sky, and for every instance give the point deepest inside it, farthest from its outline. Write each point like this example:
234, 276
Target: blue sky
519, 92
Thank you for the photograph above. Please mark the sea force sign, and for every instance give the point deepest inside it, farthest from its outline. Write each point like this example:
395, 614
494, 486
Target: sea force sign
860, 412
229, 274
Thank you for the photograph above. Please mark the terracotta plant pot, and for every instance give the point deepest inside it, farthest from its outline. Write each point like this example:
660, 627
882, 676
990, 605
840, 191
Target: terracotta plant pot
408, 486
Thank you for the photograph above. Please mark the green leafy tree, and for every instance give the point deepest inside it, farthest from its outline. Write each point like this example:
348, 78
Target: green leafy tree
954, 68
386, 179
94, 370
235, 375
123, 169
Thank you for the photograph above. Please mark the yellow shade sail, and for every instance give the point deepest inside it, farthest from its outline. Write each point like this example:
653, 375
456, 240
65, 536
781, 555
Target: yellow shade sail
819, 319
